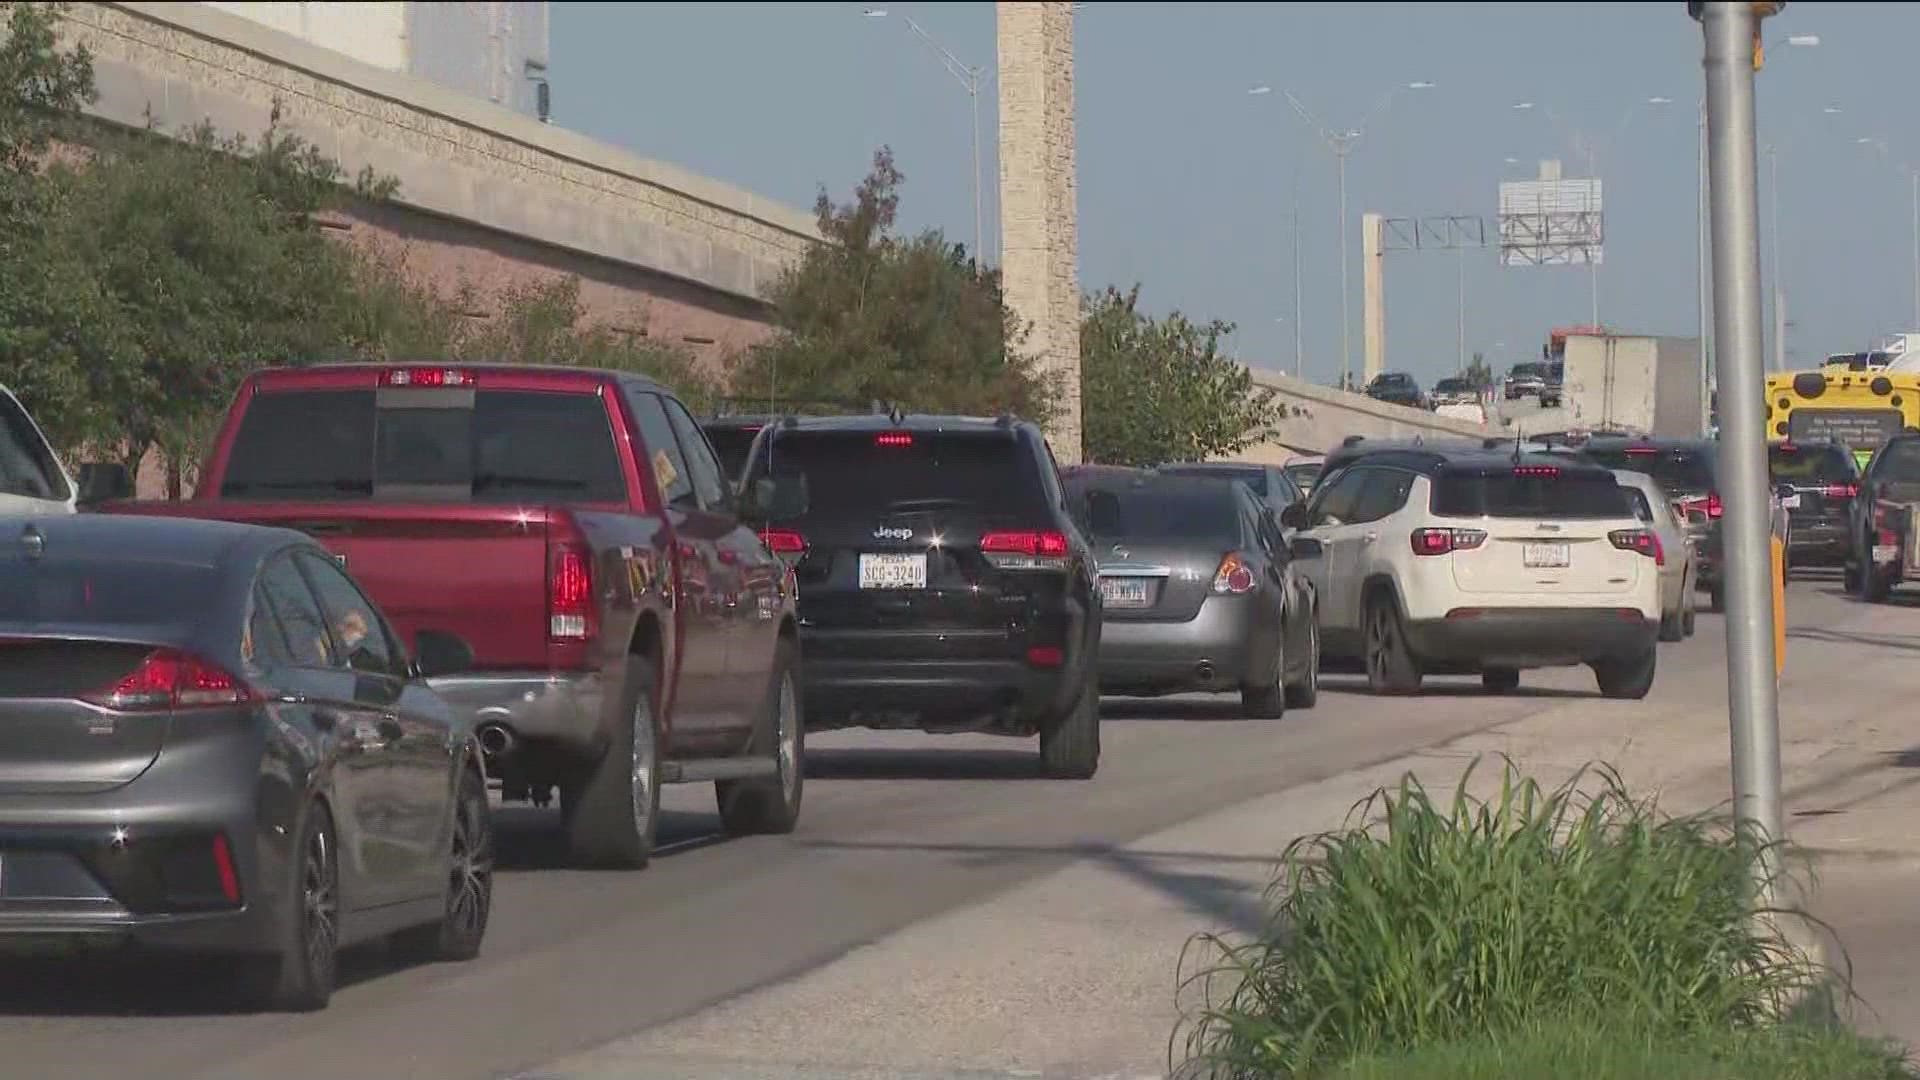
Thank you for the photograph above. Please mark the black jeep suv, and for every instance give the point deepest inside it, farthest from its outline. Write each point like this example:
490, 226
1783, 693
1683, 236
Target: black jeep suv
943, 586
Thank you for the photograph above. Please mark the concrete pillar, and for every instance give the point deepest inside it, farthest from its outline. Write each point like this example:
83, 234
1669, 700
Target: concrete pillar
1373, 304
1039, 242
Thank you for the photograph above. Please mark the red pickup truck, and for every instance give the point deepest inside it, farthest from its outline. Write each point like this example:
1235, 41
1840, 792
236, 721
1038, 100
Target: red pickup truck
575, 527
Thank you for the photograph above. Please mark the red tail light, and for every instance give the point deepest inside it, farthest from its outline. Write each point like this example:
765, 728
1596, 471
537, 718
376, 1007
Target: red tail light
1641, 540
784, 541
426, 378
1046, 656
894, 439
1025, 550
1542, 471
168, 679
570, 613
1234, 577
1709, 505
1840, 491
223, 865
1443, 541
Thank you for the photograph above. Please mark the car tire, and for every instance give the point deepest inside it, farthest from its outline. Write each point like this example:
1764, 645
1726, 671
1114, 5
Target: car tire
1850, 578
1689, 606
1875, 587
1626, 678
1070, 746
771, 807
1306, 693
1717, 598
456, 936
1500, 680
1673, 627
299, 976
1391, 667
1269, 702
613, 814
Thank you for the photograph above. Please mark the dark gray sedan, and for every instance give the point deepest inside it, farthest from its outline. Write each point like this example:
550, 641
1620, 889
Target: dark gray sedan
1198, 590
210, 740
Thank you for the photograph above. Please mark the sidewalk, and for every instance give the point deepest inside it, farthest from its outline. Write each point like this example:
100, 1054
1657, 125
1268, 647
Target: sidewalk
1074, 975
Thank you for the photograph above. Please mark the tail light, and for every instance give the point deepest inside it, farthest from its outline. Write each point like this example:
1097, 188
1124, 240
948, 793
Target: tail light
894, 439
1546, 472
426, 378
1641, 540
1883, 531
1708, 505
1234, 577
1443, 541
570, 614
1045, 550
168, 679
223, 867
1046, 656
1840, 491
784, 541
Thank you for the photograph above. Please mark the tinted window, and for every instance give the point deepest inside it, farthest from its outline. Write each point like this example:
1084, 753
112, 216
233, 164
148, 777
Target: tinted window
1638, 500
708, 485
493, 446
1451, 386
1899, 462
1504, 495
851, 475
123, 591
26, 465
732, 443
357, 630
308, 644
1255, 479
1333, 501
262, 642
1522, 371
1198, 512
1384, 491
1304, 475
1676, 471
1810, 464
669, 465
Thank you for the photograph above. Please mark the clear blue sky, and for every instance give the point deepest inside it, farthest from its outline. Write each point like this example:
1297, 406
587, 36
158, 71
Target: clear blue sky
1186, 181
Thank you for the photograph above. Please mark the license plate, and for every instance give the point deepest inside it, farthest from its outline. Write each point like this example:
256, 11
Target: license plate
893, 571
1790, 502
1124, 592
1885, 553
1545, 555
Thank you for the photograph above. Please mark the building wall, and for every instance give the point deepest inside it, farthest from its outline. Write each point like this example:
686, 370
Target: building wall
372, 33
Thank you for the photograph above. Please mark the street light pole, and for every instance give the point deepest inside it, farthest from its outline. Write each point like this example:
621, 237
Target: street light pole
1729, 29
1346, 315
1773, 241
1460, 365
970, 78
1298, 373
1702, 256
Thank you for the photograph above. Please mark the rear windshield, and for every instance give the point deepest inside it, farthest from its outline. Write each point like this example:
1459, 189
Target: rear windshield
1504, 495
1255, 479
732, 443
1521, 371
1821, 464
1198, 512
1450, 385
1676, 471
119, 591
1899, 462
492, 446
852, 474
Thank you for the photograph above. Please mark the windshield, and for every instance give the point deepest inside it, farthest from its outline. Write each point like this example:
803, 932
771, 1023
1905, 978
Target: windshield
854, 475
1524, 371
1159, 513
1810, 464
1255, 479
1899, 462
496, 446
1676, 471
1450, 386
120, 591
732, 442
1504, 495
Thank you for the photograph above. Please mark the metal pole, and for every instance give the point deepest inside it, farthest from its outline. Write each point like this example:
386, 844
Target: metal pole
1915, 176
1728, 28
979, 253
1461, 365
1773, 272
1346, 313
1701, 257
1593, 283
1297, 371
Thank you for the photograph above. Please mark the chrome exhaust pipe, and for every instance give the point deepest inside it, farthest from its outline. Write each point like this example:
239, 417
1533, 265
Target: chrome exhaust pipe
496, 740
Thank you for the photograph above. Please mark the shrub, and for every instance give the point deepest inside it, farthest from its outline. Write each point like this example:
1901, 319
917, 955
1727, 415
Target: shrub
1424, 924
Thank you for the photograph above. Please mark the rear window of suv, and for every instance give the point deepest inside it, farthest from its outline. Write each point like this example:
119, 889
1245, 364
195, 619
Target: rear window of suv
492, 446
1564, 495
1816, 464
1167, 512
855, 473
1676, 471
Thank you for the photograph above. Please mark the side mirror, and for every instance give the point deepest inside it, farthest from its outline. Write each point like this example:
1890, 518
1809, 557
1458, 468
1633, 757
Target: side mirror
437, 653
104, 482
1305, 547
1295, 516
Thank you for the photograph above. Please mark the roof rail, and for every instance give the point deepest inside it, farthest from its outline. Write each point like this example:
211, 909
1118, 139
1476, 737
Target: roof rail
1352, 440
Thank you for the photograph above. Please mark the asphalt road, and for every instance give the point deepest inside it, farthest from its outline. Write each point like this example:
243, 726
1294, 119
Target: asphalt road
897, 829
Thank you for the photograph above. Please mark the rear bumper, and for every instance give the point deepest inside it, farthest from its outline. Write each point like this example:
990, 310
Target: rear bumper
1533, 637
930, 693
562, 707
1137, 656
1825, 541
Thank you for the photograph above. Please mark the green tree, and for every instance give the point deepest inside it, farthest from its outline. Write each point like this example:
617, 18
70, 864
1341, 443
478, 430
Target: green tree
41, 86
1159, 390
869, 316
1478, 374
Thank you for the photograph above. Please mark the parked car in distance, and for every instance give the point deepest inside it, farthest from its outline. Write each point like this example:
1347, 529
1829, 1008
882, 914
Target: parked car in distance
1304, 471
1817, 483
1553, 383
1527, 378
1883, 530
942, 585
1198, 590
1462, 560
1686, 470
1675, 553
577, 529
32, 480
1396, 388
732, 440
212, 741
1455, 390
1269, 483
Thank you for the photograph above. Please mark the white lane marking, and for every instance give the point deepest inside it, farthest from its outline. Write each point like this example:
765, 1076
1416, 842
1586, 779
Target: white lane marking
689, 842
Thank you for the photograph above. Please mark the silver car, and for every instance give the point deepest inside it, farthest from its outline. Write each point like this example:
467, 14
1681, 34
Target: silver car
1677, 576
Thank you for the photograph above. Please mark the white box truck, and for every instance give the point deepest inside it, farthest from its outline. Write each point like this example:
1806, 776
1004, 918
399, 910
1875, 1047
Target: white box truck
1637, 384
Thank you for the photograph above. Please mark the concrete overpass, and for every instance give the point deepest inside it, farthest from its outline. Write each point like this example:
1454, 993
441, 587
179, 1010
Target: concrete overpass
1316, 418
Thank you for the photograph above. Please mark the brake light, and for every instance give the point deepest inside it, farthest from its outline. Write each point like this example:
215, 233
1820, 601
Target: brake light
1641, 451
1641, 540
1710, 506
1046, 656
1544, 471
223, 866
1840, 491
893, 438
784, 541
426, 378
1044, 550
169, 679
570, 595
1234, 577
1442, 541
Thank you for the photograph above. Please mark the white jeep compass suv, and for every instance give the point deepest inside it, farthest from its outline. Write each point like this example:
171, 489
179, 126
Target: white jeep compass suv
1443, 560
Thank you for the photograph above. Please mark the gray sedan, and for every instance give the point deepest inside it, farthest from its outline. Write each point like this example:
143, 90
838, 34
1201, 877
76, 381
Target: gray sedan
1198, 589
210, 740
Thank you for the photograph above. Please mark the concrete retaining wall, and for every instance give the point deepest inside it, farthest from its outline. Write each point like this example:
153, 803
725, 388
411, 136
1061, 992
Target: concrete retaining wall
1318, 417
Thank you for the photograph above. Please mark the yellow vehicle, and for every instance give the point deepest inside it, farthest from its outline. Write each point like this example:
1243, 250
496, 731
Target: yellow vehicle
1859, 409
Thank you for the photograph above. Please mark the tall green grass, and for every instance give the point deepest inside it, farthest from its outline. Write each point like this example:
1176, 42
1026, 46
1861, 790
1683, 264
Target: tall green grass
1422, 924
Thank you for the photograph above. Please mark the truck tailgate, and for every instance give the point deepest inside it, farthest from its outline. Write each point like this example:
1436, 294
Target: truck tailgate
476, 571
